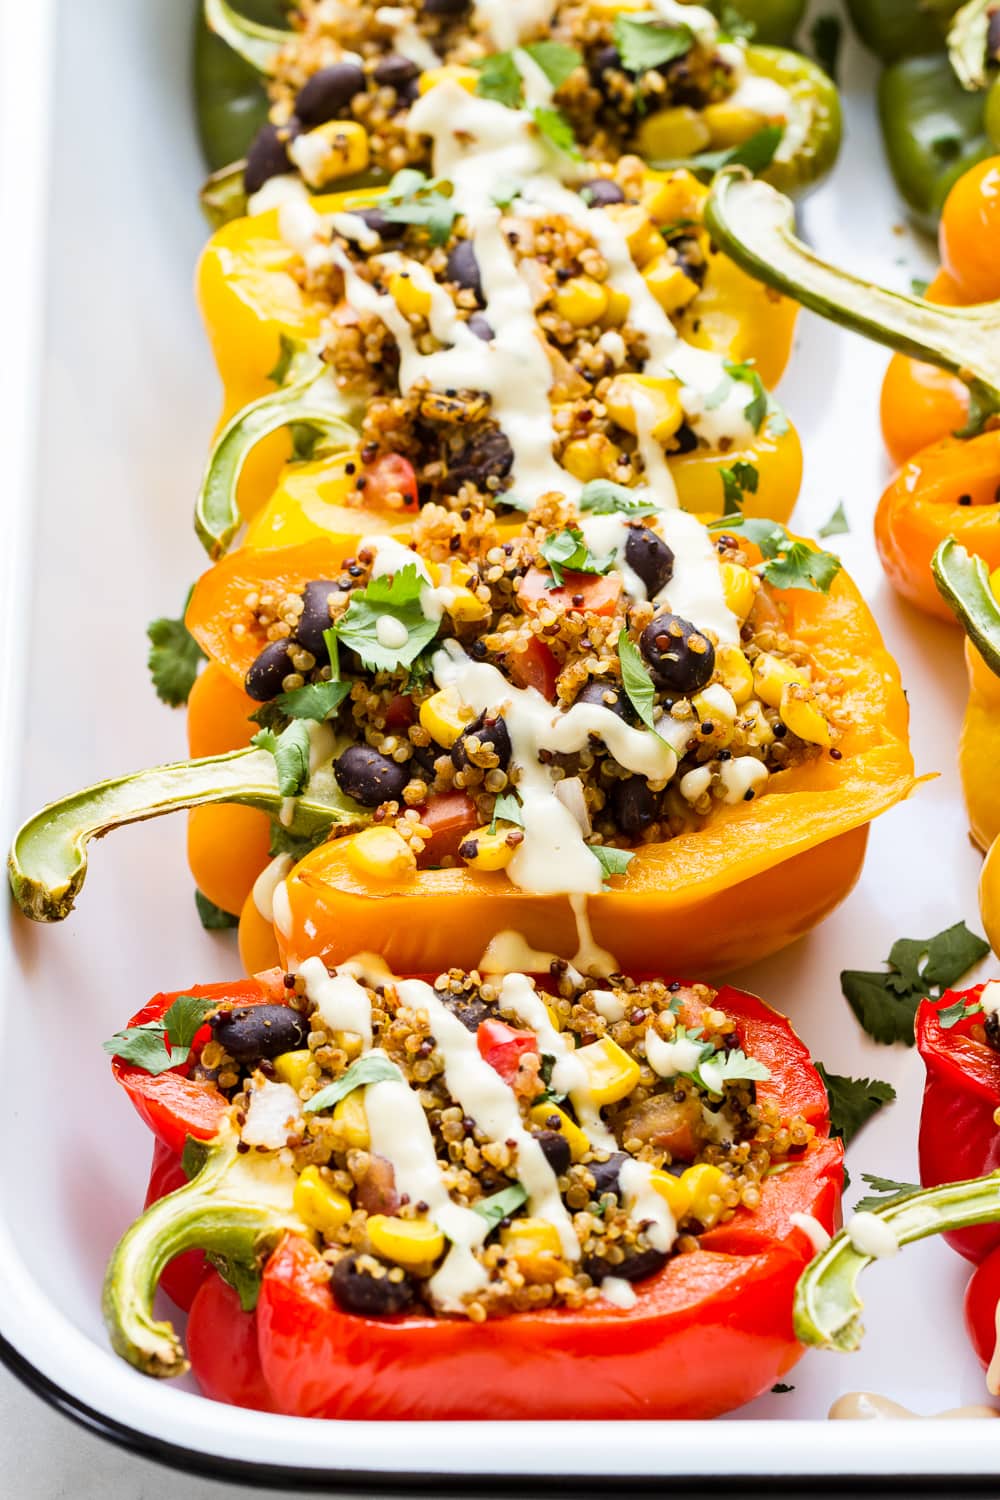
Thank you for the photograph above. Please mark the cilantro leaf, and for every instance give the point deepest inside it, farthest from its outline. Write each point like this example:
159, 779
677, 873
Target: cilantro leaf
499, 79
826, 34
298, 845
499, 1206
788, 564
737, 481
412, 198
950, 1015
714, 1072
601, 497
611, 860
556, 129
646, 44
919, 285
173, 660
885, 1002
885, 1190
557, 60
212, 917
746, 373
396, 599
374, 1067
837, 524
145, 1045
636, 680
317, 700
853, 1101
567, 551
290, 749
507, 809
755, 154
183, 1019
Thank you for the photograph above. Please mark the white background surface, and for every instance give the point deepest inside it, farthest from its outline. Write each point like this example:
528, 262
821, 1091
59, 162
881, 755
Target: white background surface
129, 396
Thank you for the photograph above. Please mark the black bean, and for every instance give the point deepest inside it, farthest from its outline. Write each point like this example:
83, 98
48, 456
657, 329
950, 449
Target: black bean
635, 1267
465, 1008
488, 455
368, 776
315, 617
600, 191
607, 60
266, 674
328, 92
685, 439
268, 157
444, 7
480, 327
992, 1029
488, 729
680, 659
386, 229
605, 1173
606, 695
555, 1148
358, 1291
395, 71
463, 268
256, 1031
633, 805
649, 556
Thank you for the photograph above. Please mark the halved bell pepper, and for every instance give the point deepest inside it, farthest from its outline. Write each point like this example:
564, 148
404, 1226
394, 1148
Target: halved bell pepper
756, 876
959, 1135
707, 1333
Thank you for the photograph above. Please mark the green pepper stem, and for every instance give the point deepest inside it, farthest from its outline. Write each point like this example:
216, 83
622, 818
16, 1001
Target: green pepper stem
210, 1213
964, 583
753, 224
258, 45
827, 1306
48, 860
968, 44
217, 515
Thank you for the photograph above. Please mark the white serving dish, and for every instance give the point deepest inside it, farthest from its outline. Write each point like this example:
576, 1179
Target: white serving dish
107, 404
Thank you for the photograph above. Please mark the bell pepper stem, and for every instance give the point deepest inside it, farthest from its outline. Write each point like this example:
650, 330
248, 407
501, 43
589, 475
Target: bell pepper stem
223, 196
215, 1212
968, 44
754, 225
828, 1309
48, 860
963, 582
258, 45
301, 400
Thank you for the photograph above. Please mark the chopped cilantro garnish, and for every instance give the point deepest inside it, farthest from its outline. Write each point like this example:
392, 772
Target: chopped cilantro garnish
500, 77
290, 749
853, 1101
755, 154
611, 860
648, 43
174, 659
317, 700
720, 1068
566, 551
885, 1190
602, 497
507, 809
739, 480
885, 1001
412, 198
837, 524
372, 1068
145, 1046
787, 564
554, 126
499, 1206
636, 681
396, 598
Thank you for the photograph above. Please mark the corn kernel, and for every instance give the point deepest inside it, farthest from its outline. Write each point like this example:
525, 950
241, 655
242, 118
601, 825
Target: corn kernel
669, 285
611, 8
799, 712
672, 133
705, 1183
293, 1067
735, 673
737, 588
581, 301
731, 124
771, 677
543, 1115
674, 1190
591, 458
555, 1019
487, 851
441, 715
466, 78
319, 1205
464, 605
350, 1113
381, 854
410, 297
673, 198
408, 1242
337, 149
535, 1245
644, 240
756, 729
616, 309
660, 397
715, 703
611, 1073
349, 1042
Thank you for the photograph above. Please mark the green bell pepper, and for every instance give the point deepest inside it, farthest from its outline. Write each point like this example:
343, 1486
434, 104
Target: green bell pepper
809, 146
894, 29
753, 224
230, 97
934, 130
771, 22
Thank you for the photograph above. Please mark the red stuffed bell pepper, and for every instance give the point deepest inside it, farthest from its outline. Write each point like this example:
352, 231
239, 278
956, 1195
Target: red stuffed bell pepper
959, 1134
637, 1229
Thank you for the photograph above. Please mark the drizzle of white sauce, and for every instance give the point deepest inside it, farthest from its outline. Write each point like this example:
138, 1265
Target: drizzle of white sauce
742, 774
813, 1230
619, 1292
608, 1005
644, 1204
871, 1235
670, 1058
281, 909
341, 1002
589, 957
408, 41
267, 883
509, 950
391, 633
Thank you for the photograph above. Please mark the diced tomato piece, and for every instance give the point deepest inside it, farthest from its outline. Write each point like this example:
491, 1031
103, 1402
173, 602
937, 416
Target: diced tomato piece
391, 474
534, 666
400, 713
451, 817
503, 1047
597, 595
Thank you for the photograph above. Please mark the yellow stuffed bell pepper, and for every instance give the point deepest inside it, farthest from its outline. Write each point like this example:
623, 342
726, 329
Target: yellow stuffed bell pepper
269, 320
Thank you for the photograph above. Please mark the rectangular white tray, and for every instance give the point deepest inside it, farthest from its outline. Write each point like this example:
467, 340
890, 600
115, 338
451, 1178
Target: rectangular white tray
107, 402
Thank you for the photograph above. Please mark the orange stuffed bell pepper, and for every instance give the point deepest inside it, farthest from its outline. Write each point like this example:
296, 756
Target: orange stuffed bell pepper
562, 1248
330, 339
